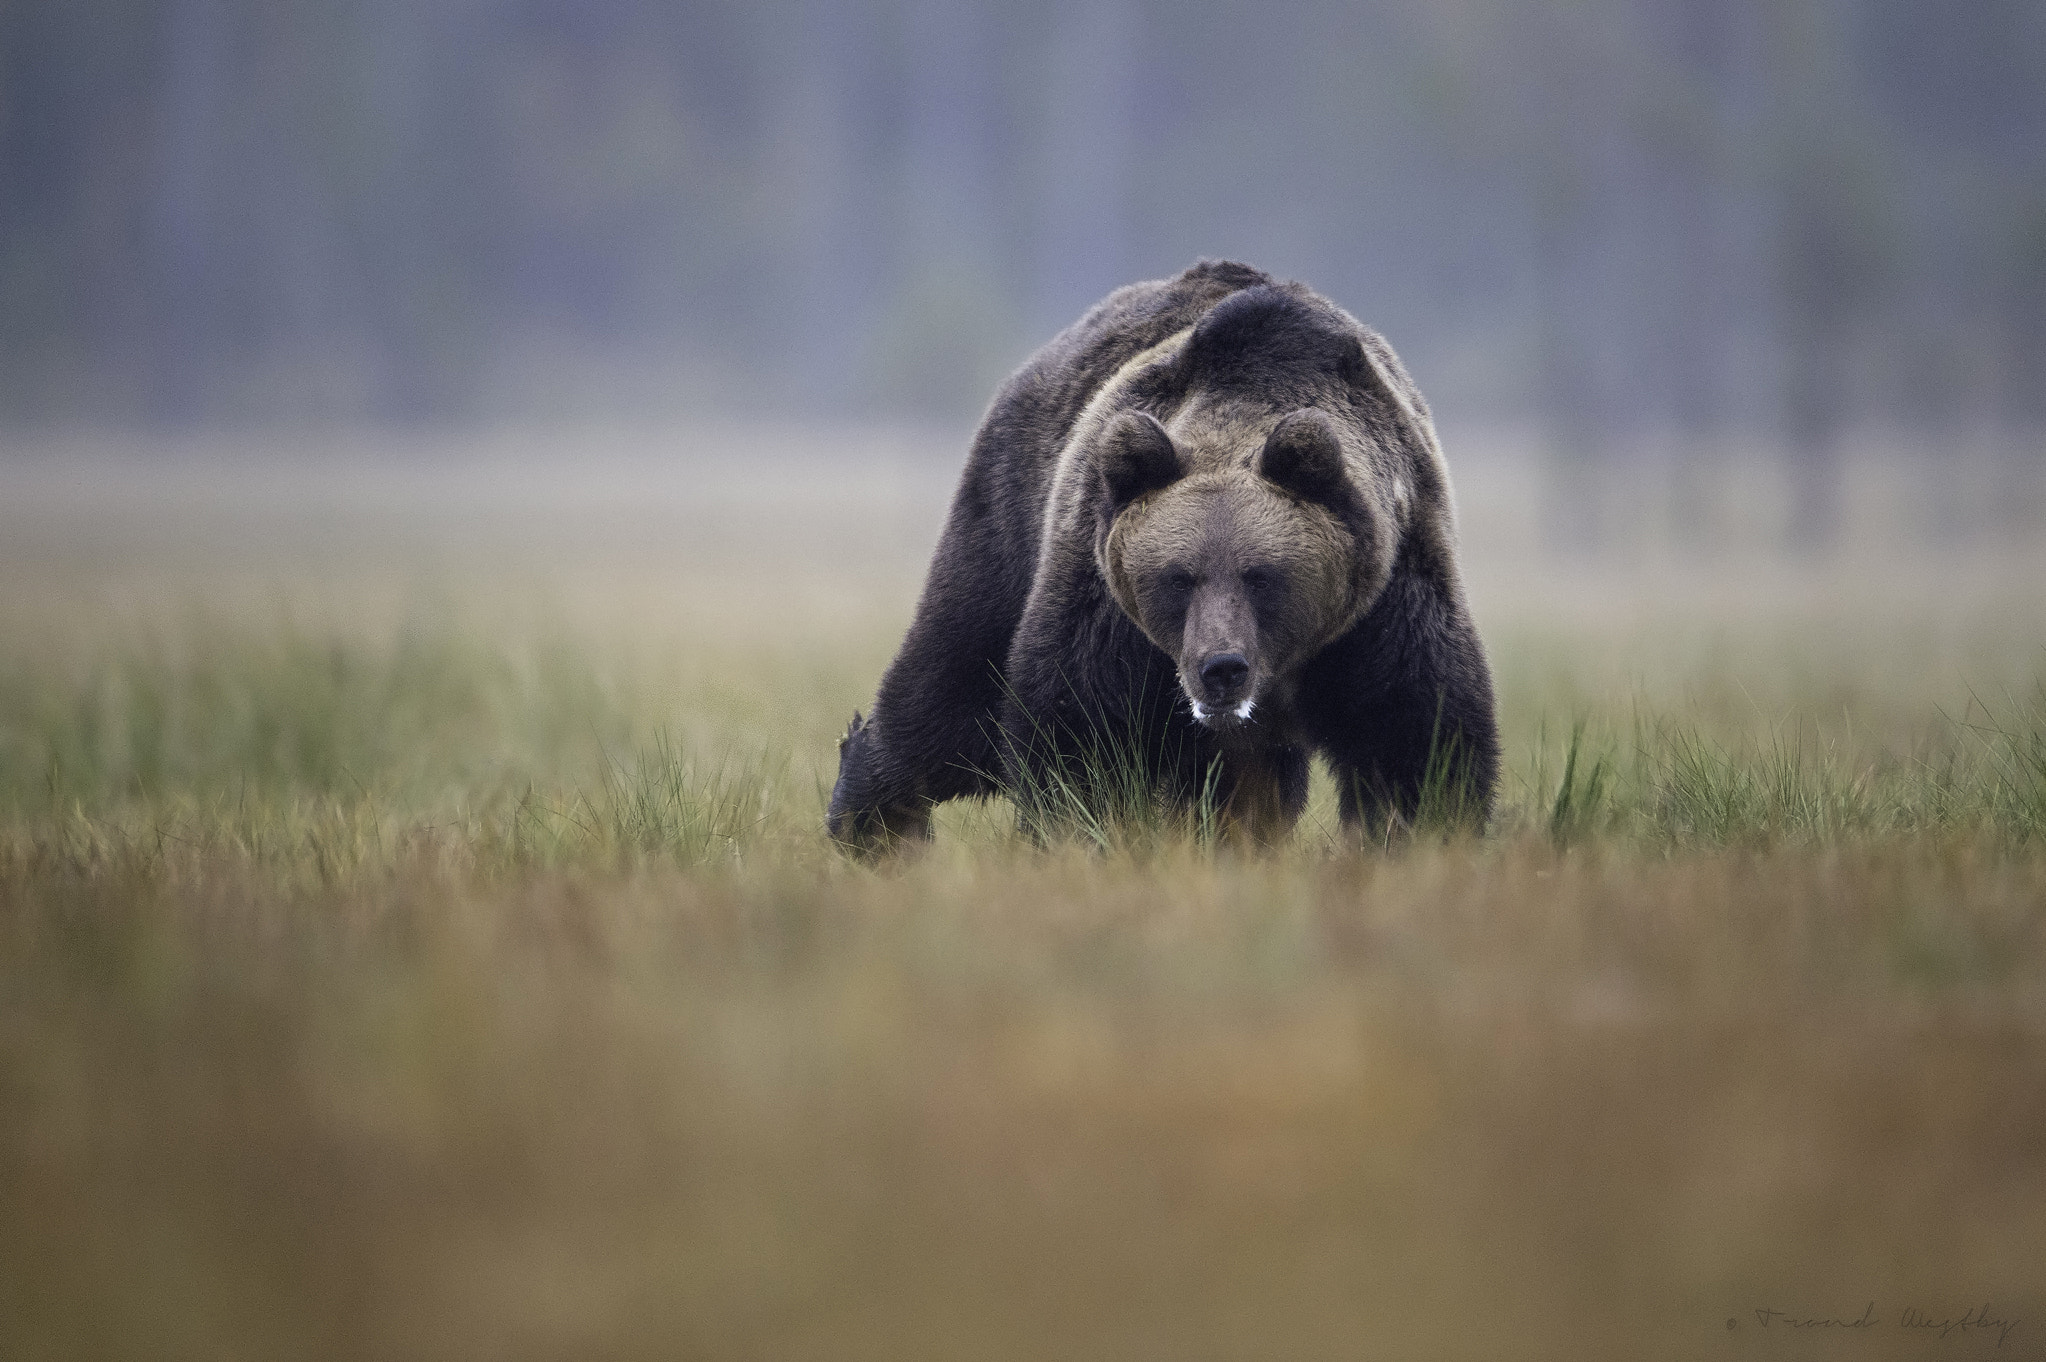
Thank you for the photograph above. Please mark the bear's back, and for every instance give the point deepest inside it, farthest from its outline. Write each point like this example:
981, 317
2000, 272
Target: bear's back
1034, 414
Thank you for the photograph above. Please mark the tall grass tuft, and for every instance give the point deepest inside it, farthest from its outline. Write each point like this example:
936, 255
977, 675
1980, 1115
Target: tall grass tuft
1096, 784
1580, 801
2014, 753
664, 807
279, 712
1448, 800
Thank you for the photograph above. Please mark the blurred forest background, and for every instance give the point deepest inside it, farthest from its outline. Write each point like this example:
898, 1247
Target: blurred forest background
1650, 230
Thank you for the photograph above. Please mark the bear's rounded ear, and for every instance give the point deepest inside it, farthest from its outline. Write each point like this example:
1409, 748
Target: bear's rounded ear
1304, 456
1136, 457
1372, 367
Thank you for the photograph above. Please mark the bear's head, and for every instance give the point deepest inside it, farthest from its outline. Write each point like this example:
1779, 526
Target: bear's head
1241, 568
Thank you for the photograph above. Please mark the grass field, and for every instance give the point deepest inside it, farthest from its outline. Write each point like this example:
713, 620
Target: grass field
417, 940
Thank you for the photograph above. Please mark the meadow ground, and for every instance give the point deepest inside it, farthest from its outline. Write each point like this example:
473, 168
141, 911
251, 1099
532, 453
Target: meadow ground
417, 939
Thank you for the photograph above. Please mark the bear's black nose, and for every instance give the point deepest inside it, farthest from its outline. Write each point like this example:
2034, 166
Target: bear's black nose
1223, 675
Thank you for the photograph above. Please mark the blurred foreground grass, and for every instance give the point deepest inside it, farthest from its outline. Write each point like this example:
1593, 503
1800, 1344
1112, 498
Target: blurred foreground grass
437, 955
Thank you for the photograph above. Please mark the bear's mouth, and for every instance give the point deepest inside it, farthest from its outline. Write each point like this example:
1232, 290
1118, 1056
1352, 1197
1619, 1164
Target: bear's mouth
1223, 716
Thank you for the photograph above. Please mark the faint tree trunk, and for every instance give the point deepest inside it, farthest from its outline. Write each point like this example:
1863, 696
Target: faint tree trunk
949, 194
1708, 44
949, 336
1082, 242
1831, 259
1830, 256
1576, 425
1575, 156
816, 189
2022, 399
184, 335
396, 242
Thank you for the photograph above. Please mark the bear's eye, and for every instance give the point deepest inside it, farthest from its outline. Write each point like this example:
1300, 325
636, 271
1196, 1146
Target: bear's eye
1179, 580
1260, 579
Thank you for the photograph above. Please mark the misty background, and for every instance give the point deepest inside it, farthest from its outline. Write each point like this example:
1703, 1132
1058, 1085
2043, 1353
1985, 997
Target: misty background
1688, 246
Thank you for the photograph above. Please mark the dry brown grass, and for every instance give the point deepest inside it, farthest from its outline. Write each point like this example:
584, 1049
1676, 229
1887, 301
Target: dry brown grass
360, 995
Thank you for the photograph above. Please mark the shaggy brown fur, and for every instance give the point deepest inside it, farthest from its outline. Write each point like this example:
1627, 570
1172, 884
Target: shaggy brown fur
1208, 527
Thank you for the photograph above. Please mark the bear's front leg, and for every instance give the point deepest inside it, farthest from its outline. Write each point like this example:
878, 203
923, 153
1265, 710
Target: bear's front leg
930, 734
1264, 793
870, 811
1092, 727
1401, 707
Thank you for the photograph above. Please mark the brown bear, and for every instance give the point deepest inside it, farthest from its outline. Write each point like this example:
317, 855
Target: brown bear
1207, 530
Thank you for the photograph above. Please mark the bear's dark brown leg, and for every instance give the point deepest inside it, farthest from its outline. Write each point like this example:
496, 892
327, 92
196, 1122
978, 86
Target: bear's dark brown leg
1266, 794
1402, 709
931, 734
863, 817
1092, 721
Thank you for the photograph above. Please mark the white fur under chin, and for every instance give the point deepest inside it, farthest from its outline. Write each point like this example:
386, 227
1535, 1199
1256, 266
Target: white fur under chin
1242, 710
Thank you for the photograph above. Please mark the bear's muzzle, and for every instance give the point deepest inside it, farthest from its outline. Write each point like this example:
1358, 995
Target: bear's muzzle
1224, 695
